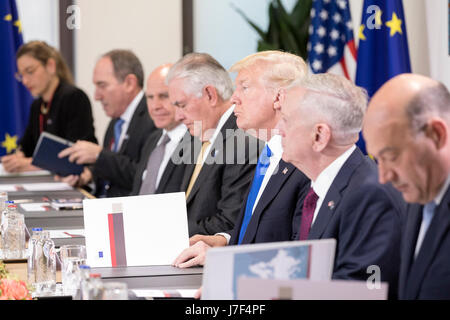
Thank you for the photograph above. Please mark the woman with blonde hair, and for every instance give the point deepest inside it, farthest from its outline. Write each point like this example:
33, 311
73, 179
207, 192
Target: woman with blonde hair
59, 107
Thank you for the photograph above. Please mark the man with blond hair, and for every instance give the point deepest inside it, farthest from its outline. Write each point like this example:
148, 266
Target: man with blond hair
408, 134
320, 122
277, 188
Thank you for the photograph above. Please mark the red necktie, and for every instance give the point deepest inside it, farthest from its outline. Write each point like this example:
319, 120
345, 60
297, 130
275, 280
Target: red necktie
309, 206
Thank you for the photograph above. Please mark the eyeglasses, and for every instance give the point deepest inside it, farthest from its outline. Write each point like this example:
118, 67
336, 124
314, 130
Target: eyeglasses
28, 73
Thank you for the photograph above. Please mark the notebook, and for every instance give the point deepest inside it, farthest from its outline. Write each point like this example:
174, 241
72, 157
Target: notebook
46, 156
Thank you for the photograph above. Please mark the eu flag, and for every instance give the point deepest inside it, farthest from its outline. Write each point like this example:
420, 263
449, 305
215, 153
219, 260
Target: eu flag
383, 46
15, 100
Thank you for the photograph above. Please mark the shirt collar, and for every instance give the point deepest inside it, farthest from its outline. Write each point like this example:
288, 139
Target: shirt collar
327, 176
441, 193
222, 121
275, 146
176, 134
129, 112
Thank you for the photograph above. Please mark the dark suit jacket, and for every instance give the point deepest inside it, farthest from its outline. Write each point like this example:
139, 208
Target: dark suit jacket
70, 117
272, 218
173, 174
365, 220
218, 193
119, 169
427, 276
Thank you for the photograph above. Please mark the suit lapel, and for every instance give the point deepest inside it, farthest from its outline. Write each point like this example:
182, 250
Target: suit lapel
216, 150
133, 126
334, 194
273, 187
436, 231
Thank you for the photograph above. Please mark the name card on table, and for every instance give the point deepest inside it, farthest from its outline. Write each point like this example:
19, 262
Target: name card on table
135, 231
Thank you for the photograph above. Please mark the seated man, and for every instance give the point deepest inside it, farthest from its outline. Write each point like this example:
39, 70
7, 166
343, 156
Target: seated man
156, 172
267, 213
119, 79
409, 135
321, 118
216, 182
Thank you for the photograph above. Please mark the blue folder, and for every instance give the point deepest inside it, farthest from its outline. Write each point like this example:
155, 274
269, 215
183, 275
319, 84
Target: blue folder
46, 156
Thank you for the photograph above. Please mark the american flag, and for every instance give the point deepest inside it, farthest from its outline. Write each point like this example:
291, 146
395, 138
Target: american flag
331, 47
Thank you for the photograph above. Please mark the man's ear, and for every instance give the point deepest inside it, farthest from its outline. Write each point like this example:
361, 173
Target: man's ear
131, 82
210, 93
437, 131
321, 136
279, 98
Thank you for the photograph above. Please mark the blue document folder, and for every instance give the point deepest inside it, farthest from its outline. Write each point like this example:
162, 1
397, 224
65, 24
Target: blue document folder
46, 156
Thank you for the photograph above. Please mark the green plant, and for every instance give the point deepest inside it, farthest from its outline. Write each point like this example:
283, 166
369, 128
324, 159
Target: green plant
288, 32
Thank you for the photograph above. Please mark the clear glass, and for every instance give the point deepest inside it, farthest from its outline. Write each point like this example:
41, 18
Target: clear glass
3, 199
13, 235
44, 257
115, 291
92, 289
72, 256
31, 275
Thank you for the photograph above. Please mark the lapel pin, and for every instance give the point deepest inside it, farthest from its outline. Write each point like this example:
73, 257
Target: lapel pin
285, 170
214, 153
331, 205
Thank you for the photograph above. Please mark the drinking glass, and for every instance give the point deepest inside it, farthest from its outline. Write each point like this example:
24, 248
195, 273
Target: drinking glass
72, 256
115, 291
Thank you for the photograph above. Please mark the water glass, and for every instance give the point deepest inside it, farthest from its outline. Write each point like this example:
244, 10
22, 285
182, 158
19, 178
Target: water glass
115, 291
72, 256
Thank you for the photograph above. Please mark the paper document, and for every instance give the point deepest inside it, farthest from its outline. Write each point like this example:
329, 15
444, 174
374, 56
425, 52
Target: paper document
35, 207
10, 187
68, 233
135, 231
50, 186
4, 173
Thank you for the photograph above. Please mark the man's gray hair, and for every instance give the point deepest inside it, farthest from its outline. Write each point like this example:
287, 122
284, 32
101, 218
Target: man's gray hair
336, 101
200, 70
430, 102
125, 62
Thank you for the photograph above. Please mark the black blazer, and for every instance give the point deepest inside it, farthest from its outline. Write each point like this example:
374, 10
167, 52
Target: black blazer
70, 117
118, 169
173, 174
281, 199
427, 276
365, 219
218, 193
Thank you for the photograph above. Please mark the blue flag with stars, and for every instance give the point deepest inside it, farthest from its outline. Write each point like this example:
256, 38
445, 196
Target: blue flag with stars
15, 100
383, 46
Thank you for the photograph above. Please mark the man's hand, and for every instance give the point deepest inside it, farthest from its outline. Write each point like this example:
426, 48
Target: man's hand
192, 256
77, 181
82, 152
17, 162
212, 241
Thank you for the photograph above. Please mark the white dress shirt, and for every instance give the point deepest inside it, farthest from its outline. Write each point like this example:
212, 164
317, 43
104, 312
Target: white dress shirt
128, 115
325, 179
175, 135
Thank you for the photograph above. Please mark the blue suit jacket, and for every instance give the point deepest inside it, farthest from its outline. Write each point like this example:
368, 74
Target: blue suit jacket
427, 276
281, 199
365, 219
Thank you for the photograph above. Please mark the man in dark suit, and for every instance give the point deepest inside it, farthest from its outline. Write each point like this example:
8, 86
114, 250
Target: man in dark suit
409, 134
119, 79
220, 171
267, 212
156, 172
321, 118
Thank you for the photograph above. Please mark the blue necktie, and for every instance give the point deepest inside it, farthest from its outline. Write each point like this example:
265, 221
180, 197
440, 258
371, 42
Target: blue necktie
261, 168
117, 132
428, 212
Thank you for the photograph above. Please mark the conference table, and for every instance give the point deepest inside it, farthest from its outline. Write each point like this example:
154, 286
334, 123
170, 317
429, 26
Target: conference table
60, 222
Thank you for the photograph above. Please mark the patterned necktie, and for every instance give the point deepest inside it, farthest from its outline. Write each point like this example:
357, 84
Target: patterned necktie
428, 212
260, 172
154, 162
309, 206
198, 167
117, 132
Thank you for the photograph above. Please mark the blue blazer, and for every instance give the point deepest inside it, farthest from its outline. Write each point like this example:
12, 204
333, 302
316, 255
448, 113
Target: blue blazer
427, 276
365, 219
281, 199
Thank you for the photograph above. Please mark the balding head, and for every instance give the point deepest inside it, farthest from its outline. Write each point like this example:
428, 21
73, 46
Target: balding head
159, 107
406, 128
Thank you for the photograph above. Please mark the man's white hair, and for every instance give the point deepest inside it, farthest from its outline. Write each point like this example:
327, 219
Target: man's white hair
200, 70
336, 101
